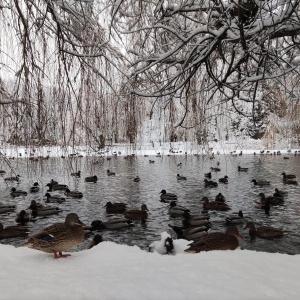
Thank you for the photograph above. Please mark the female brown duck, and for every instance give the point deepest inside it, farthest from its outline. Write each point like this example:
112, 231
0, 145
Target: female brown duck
217, 241
58, 237
264, 232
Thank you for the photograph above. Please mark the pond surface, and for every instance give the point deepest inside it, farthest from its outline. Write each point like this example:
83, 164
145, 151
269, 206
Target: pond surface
239, 192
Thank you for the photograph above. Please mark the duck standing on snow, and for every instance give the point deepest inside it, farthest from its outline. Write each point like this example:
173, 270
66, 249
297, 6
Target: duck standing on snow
58, 237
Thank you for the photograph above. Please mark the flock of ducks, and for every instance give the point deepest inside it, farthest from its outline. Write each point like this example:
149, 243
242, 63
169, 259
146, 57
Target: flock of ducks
196, 228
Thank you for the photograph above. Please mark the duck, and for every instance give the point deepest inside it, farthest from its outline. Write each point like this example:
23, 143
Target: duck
6, 208
151, 161
208, 175
76, 174
215, 169
115, 208
97, 239
164, 197
195, 220
35, 188
23, 218
271, 199
220, 198
2, 172
264, 232
224, 179
137, 214
110, 224
240, 169
176, 210
214, 205
58, 237
164, 246
12, 232
38, 210
280, 193
136, 179
54, 198
16, 178
290, 181
109, 173
210, 183
91, 179
73, 194
190, 234
217, 241
179, 177
260, 182
288, 176
56, 187
16, 193
236, 218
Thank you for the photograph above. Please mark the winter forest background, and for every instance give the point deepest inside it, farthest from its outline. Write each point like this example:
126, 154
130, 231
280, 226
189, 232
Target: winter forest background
84, 72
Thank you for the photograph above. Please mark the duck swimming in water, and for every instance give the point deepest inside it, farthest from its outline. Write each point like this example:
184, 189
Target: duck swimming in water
164, 197
214, 205
264, 232
115, 208
137, 214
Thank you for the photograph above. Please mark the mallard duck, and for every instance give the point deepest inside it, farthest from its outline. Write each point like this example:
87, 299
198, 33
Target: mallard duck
151, 161
23, 218
73, 194
137, 179
97, 239
167, 196
109, 173
6, 208
191, 233
288, 176
56, 187
176, 210
17, 193
220, 198
115, 208
164, 246
137, 214
179, 177
208, 175
91, 179
290, 181
217, 241
2, 172
236, 218
264, 232
58, 237
240, 169
224, 179
260, 182
214, 205
110, 224
76, 174
37, 209
271, 199
12, 232
54, 198
280, 193
35, 188
194, 220
16, 178
210, 183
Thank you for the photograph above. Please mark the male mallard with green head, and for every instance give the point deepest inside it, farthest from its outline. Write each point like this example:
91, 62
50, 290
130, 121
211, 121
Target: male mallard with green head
58, 237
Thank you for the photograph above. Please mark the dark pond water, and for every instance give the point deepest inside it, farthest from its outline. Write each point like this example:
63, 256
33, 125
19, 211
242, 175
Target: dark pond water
239, 192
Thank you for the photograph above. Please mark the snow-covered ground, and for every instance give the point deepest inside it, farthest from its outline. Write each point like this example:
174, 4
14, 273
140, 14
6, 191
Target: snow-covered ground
110, 271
